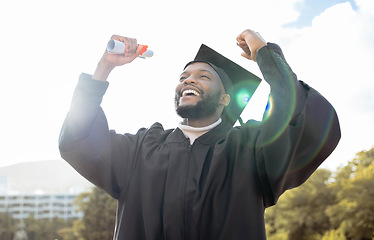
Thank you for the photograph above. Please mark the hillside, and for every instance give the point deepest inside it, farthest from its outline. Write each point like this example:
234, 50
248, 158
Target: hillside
53, 176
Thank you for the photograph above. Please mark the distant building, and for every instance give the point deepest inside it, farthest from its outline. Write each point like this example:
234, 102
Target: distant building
44, 206
3, 185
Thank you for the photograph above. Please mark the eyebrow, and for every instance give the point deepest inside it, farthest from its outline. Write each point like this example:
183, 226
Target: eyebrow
200, 70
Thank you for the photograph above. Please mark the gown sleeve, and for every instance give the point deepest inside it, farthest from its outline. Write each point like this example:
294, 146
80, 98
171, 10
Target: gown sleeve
299, 130
103, 157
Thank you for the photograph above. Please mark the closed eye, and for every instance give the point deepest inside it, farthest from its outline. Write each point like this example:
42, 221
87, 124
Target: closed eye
205, 76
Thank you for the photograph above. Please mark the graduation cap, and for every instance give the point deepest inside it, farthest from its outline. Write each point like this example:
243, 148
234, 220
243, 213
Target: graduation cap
238, 82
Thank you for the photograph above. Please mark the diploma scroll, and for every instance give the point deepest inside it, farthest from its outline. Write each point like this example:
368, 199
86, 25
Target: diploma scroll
118, 47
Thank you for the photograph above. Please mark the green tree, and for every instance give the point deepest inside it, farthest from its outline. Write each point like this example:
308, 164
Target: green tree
300, 212
353, 211
66, 233
334, 235
99, 211
40, 229
7, 226
339, 207
362, 160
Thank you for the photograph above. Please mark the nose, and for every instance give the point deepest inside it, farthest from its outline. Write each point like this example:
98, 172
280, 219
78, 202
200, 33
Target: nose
189, 80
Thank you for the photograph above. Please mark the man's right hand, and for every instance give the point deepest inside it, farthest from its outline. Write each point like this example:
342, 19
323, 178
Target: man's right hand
250, 42
109, 61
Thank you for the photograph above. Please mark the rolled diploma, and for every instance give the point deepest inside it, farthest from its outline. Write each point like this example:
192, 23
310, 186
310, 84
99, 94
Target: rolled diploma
115, 47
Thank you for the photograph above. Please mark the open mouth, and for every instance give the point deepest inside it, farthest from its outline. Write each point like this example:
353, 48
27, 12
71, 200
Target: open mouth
190, 92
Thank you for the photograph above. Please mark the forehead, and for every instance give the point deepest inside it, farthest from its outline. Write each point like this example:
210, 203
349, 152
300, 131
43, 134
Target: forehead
200, 66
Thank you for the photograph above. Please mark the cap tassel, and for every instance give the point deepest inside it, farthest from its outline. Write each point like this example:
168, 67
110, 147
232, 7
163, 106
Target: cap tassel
241, 121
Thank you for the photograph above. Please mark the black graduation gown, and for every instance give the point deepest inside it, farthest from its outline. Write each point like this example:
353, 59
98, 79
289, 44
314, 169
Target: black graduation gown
219, 187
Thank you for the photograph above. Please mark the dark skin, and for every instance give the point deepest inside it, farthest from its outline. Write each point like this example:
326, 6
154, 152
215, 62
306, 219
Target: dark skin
201, 79
249, 41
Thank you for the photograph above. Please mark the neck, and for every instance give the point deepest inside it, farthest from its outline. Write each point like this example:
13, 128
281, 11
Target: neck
200, 122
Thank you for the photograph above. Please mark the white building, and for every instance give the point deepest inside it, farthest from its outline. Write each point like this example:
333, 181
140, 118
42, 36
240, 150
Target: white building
41, 206
3, 185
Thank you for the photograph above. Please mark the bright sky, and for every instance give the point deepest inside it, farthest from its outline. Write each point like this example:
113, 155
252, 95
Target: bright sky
45, 45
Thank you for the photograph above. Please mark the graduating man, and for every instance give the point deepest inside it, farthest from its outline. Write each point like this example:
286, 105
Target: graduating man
205, 179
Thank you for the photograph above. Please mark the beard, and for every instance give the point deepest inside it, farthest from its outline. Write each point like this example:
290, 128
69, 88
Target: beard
206, 107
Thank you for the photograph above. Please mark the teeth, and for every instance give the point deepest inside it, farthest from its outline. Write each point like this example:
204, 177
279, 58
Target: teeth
190, 91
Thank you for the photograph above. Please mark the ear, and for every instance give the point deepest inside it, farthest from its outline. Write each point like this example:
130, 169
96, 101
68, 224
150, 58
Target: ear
225, 99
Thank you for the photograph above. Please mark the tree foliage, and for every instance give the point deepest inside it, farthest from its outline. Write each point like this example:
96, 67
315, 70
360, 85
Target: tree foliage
328, 206
38, 229
7, 226
353, 210
99, 211
299, 213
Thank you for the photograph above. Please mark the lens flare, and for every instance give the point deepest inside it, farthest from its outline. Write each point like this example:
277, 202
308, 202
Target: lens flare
242, 97
268, 109
280, 109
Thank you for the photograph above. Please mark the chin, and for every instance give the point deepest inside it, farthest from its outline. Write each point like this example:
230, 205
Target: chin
183, 105
186, 111
197, 109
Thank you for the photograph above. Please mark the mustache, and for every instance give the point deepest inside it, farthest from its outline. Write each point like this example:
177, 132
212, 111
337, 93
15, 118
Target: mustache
178, 95
181, 90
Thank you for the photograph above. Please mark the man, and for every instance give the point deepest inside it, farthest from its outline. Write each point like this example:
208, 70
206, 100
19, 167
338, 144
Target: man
205, 179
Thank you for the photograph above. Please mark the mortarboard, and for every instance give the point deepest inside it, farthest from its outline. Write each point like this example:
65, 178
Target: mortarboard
238, 82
